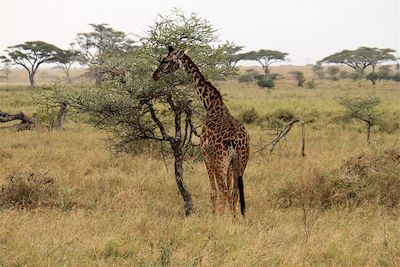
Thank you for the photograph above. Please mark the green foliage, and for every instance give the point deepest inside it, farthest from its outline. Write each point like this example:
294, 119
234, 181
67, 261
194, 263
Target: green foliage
318, 70
262, 76
274, 76
245, 78
265, 58
355, 75
311, 84
284, 114
266, 83
31, 55
373, 77
361, 58
299, 77
385, 72
396, 77
361, 108
249, 115
131, 106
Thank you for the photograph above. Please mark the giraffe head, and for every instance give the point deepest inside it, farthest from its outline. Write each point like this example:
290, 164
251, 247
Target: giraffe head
169, 64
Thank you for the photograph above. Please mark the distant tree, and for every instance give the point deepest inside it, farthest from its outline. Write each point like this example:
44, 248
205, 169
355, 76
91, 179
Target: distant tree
266, 83
299, 77
361, 58
398, 66
232, 53
355, 75
30, 55
318, 70
66, 58
101, 43
362, 109
311, 84
396, 77
333, 71
265, 58
373, 77
384, 72
6, 70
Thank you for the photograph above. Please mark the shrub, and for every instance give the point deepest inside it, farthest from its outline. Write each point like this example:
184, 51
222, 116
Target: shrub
245, 78
396, 77
311, 84
28, 191
299, 77
373, 77
284, 115
258, 77
266, 83
366, 179
249, 116
274, 76
355, 75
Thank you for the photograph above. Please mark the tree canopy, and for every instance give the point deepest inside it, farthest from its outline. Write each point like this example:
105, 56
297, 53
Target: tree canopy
361, 58
265, 58
30, 55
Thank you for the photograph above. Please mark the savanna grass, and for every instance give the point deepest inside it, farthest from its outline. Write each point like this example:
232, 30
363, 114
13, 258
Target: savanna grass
127, 211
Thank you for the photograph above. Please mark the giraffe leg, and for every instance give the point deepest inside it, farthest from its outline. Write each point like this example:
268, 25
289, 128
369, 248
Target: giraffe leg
223, 192
230, 188
211, 176
235, 196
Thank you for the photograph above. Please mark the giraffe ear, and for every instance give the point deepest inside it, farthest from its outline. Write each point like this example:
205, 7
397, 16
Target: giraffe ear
186, 51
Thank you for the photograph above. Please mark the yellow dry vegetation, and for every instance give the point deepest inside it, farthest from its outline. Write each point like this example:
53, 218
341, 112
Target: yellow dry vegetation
127, 211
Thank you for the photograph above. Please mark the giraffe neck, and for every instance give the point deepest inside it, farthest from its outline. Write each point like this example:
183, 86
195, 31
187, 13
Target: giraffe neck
211, 97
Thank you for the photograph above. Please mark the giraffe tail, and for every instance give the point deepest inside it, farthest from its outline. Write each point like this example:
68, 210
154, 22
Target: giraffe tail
241, 195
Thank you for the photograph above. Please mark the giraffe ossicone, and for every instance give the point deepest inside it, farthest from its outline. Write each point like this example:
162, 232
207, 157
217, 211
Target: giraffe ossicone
224, 141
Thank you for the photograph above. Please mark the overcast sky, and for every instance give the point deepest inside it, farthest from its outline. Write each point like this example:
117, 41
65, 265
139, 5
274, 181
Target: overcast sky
307, 30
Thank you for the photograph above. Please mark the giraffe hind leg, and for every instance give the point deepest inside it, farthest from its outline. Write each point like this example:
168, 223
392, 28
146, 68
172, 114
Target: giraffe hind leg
211, 176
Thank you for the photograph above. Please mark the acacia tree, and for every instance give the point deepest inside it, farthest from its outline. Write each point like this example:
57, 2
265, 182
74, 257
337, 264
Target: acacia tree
333, 71
361, 58
318, 70
66, 58
30, 55
265, 58
136, 110
298, 76
98, 44
362, 109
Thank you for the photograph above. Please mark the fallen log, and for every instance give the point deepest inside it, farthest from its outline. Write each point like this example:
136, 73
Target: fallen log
26, 123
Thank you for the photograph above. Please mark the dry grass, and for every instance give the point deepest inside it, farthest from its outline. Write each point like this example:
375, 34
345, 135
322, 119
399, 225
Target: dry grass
126, 211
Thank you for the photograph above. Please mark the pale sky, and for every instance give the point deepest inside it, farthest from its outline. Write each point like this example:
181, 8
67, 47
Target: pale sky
307, 30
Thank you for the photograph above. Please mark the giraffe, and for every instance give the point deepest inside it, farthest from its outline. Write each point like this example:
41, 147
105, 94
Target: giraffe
224, 141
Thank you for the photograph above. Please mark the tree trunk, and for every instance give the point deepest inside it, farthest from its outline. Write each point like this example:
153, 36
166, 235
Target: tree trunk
67, 77
266, 71
27, 123
32, 79
59, 123
187, 198
303, 138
